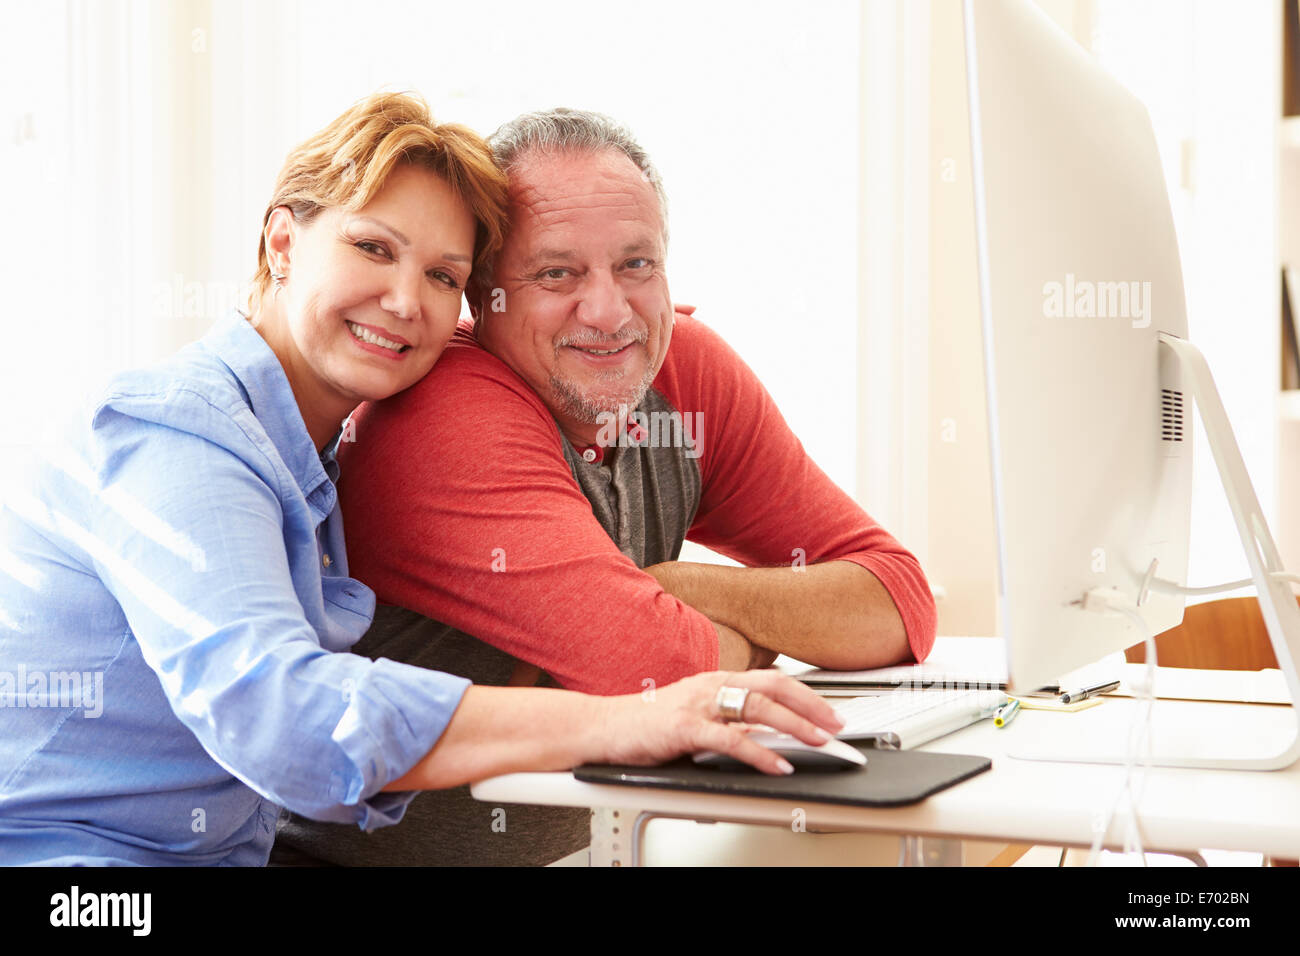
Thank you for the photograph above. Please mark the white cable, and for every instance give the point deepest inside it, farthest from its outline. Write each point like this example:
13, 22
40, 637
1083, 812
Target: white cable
1139, 733
1142, 728
1172, 587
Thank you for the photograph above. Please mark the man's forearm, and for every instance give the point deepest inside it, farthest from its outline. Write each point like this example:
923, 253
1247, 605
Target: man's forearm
835, 615
737, 653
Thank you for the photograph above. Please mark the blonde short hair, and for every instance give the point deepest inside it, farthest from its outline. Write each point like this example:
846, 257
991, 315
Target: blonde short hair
348, 162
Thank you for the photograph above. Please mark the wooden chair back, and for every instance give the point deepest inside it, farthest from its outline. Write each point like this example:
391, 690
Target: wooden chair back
1217, 635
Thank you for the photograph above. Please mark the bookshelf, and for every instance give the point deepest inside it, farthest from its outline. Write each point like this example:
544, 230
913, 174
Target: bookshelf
1288, 243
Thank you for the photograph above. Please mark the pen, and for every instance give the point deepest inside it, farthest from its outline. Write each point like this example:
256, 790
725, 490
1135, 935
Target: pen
1007, 712
1087, 692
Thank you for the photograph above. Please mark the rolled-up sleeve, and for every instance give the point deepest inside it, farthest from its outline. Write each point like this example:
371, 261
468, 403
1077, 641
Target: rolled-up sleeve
766, 502
193, 535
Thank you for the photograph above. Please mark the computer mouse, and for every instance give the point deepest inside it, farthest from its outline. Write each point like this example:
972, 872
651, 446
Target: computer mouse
832, 755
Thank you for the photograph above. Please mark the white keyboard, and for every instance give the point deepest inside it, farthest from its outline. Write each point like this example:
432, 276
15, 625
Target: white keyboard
905, 718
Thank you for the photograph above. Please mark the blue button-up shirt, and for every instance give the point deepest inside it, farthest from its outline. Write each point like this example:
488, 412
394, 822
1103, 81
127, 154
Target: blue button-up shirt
175, 609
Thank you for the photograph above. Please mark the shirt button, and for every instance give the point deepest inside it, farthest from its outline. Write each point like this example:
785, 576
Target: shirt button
326, 560
589, 455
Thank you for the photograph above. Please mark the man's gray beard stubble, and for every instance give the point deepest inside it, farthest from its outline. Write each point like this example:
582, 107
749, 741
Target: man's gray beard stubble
588, 408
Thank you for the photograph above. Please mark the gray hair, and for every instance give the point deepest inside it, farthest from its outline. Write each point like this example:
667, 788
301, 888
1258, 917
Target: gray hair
568, 130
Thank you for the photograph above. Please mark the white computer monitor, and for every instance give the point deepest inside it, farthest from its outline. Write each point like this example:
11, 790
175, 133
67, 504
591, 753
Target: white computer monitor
1090, 376
1079, 274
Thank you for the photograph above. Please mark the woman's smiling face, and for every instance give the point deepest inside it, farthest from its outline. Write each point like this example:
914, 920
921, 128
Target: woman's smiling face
393, 270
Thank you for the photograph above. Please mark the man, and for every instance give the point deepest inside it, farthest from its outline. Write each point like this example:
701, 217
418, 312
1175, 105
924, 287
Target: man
520, 511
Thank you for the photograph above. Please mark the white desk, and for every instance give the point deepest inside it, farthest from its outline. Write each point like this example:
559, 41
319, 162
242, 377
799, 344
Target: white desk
1017, 801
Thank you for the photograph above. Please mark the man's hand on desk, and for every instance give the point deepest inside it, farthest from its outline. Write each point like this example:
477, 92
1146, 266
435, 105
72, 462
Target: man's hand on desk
835, 615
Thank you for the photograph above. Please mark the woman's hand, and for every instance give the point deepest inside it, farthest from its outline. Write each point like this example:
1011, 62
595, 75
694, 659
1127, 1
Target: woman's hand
661, 723
498, 730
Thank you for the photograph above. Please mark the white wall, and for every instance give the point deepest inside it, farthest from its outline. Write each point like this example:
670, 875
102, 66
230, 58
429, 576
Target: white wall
159, 128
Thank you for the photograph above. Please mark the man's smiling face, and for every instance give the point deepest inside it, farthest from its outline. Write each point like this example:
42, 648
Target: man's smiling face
587, 317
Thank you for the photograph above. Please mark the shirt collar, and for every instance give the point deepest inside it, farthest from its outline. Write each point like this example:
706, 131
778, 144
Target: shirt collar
235, 341
327, 457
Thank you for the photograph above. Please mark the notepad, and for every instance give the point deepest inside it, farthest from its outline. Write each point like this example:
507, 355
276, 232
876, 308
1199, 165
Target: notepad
1054, 703
1190, 683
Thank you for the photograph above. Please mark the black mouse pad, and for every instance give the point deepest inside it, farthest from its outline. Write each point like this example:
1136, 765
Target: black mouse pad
891, 778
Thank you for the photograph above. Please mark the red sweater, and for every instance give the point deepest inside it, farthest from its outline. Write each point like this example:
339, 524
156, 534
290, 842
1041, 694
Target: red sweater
459, 505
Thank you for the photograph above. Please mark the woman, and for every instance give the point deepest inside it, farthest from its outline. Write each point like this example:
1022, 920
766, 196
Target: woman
174, 597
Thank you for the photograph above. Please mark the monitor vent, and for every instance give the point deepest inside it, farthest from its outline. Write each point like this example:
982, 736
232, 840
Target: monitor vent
1171, 415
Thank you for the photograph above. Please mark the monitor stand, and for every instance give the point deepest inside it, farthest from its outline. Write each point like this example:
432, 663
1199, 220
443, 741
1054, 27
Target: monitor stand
1242, 740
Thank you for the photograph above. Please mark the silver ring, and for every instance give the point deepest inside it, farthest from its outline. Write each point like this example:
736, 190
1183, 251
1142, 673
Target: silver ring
731, 702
